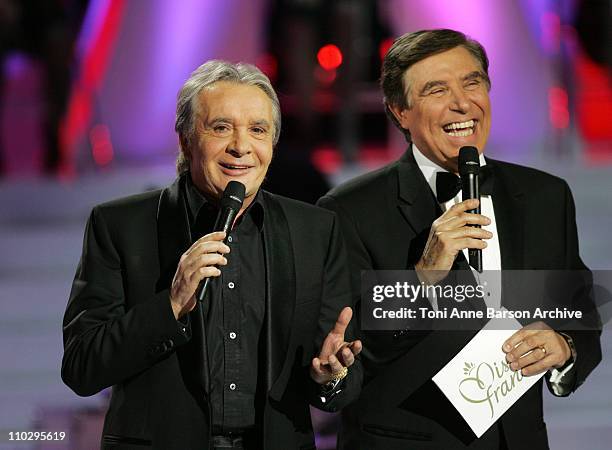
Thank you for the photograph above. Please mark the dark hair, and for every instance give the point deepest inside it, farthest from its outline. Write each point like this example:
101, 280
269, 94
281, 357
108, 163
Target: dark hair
411, 48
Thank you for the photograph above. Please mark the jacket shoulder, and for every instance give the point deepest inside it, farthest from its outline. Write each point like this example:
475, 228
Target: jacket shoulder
529, 178
131, 205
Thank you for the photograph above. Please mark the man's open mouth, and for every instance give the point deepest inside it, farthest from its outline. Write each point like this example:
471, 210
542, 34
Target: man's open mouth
460, 129
230, 166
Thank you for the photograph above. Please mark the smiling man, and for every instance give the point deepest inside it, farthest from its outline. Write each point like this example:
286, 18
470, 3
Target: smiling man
403, 216
240, 369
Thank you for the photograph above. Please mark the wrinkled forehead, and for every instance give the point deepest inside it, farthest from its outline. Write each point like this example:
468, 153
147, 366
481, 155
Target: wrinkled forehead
233, 99
454, 64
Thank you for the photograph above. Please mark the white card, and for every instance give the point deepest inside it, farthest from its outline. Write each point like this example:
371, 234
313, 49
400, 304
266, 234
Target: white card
479, 382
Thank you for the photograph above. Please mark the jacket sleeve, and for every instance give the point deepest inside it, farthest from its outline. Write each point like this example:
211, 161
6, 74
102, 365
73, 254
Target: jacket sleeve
105, 341
587, 339
380, 348
336, 296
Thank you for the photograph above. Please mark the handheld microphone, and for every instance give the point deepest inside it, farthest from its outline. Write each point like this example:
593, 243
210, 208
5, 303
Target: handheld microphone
233, 196
469, 167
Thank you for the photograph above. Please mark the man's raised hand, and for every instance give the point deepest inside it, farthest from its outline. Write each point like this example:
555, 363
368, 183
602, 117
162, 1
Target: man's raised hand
336, 354
451, 233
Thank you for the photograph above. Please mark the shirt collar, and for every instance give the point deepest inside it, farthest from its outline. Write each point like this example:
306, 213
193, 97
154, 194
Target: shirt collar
430, 168
196, 201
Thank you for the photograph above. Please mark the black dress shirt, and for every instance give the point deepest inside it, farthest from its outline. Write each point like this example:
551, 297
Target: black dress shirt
234, 311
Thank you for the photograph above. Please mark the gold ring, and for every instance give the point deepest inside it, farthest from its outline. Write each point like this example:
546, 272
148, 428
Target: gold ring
340, 375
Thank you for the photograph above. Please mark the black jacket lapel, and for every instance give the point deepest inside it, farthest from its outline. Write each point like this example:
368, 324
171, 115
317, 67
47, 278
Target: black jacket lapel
280, 293
173, 239
416, 201
173, 236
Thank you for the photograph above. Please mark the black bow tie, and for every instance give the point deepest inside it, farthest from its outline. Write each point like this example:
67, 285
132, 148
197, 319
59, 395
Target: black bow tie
448, 184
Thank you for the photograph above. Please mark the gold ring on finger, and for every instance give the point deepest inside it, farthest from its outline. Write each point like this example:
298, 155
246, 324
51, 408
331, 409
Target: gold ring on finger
340, 375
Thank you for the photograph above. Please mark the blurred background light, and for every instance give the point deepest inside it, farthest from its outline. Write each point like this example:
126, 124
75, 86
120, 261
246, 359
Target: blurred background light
329, 57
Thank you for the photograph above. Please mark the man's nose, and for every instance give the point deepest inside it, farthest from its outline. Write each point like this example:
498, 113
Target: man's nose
459, 101
239, 144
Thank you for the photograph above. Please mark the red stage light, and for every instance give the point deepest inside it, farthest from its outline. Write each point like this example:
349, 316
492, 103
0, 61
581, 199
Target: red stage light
101, 145
268, 64
329, 57
593, 99
324, 77
384, 47
93, 67
558, 107
326, 159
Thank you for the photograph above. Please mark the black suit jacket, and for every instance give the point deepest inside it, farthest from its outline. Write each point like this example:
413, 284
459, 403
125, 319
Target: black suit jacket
119, 329
386, 216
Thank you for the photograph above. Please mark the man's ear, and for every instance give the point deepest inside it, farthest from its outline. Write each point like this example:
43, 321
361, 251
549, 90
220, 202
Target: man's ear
399, 114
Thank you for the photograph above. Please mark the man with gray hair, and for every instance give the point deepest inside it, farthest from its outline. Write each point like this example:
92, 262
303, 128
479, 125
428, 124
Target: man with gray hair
239, 369
409, 215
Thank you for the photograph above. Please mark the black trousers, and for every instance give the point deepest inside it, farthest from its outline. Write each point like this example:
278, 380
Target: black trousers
245, 441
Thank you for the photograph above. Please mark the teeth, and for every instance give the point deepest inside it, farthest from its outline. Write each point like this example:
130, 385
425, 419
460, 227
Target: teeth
459, 125
461, 133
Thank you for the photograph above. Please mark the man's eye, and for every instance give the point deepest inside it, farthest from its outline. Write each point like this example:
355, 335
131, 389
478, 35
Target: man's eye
436, 92
473, 83
221, 128
258, 130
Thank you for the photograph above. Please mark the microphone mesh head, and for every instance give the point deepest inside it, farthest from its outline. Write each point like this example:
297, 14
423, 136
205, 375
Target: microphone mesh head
469, 161
233, 195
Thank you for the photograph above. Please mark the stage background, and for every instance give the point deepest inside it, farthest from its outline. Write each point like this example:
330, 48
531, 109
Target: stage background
87, 99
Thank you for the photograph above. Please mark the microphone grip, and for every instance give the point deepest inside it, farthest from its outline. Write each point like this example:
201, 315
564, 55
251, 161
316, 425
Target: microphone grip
475, 259
471, 190
203, 289
224, 222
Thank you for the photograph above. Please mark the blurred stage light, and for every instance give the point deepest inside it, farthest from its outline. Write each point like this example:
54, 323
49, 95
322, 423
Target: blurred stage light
558, 107
329, 57
550, 24
268, 64
101, 145
326, 159
384, 47
324, 77
594, 100
95, 46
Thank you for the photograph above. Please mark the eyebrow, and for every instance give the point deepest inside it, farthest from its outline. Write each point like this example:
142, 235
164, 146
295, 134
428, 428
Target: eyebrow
258, 122
218, 120
261, 123
474, 75
432, 84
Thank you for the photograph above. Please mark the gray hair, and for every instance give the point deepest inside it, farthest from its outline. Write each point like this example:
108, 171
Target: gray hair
411, 48
206, 75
